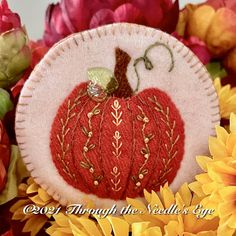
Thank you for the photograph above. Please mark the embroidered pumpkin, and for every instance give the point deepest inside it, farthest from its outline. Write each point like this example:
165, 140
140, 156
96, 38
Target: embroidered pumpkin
117, 146
93, 135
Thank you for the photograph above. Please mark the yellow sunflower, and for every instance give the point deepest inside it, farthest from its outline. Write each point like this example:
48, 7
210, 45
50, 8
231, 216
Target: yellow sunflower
149, 220
31, 194
73, 225
227, 98
171, 214
218, 184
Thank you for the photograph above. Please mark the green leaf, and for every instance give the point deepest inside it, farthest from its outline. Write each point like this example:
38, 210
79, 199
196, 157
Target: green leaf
216, 70
104, 78
16, 173
6, 104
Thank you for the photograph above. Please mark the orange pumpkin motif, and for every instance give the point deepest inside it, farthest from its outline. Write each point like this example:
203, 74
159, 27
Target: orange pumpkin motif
116, 147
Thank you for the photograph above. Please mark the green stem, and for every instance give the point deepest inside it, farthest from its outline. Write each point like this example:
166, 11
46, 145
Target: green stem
147, 62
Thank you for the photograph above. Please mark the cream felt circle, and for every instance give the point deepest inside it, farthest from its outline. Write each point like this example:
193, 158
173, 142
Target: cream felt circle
147, 132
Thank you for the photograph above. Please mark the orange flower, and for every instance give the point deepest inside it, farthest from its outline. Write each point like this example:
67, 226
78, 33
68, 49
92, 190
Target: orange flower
216, 27
230, 61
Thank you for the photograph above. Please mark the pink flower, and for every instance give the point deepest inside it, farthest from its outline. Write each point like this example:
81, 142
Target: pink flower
72, 16
197, 46
8, 19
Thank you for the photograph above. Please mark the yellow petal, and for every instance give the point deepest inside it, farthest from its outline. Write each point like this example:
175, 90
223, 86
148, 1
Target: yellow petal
44, 195
231, 143
200, 21
217, 84
196, 199
226, 209
33, 188
89, 226
147, 195
196, 187
76, 231
19, 215
228, 193
155, 200
224, 229
205, 233
19, 204
37, 200
119, 226
139, 228
232, 221
61, 219
222, 173
209, 187
105, 225
34, 224
202, 162
225, 92
152, 231
134, 218
171, 229
203, 178
233, 123
22, 189
167, 196
179, 201
222, 134
217, 148
185, 194
51, 229
136, 204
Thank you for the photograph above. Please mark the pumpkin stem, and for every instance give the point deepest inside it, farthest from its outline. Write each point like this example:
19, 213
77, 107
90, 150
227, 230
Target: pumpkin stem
147, 62
122, 61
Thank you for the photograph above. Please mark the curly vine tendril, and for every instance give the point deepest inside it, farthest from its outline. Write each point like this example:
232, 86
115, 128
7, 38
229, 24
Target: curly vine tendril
147, 62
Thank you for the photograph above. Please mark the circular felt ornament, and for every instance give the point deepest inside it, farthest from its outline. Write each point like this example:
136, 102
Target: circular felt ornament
113, 111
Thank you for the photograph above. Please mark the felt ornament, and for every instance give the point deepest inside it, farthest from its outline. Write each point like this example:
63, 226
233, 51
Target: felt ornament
113, 111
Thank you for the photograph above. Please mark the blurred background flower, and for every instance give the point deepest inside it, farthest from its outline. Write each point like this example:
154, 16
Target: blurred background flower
214, 23
216, 27
197, 46
73, 16
15, 55
8, 19
4, 156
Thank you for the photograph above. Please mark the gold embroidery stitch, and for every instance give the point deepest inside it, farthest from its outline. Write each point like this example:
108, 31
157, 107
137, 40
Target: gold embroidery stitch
117, 121
170, 134
64, 132
145, 150
117, 144
116, 181
117, 116
86, 163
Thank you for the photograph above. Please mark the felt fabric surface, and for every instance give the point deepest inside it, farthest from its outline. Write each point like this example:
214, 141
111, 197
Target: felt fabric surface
188, 85
119, 147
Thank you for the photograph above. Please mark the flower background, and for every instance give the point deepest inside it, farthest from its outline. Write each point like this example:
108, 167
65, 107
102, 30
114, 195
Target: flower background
208, 29
32, 13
